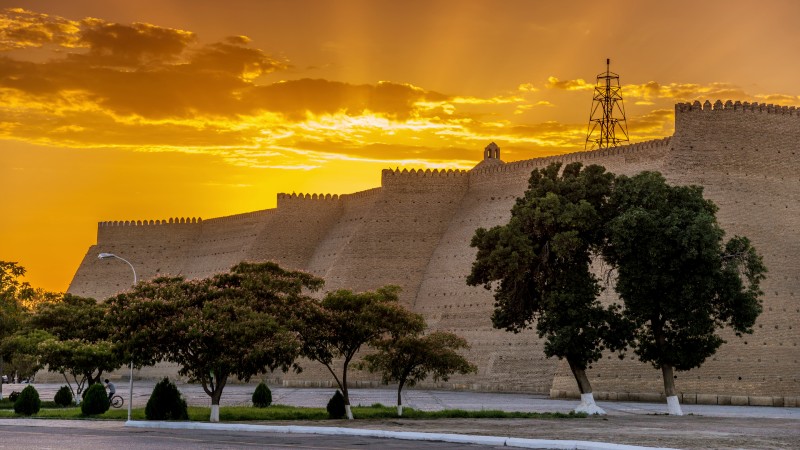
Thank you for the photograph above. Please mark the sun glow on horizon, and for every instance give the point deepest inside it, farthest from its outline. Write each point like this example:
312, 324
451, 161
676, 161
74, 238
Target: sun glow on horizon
173, 109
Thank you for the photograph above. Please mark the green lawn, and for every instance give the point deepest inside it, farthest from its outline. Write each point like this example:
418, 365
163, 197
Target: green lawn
283, 412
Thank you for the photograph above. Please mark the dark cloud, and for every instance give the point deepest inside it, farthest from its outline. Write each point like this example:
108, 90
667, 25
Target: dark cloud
132, 45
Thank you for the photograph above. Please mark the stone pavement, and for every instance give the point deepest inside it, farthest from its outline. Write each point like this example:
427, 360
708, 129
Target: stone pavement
426, 400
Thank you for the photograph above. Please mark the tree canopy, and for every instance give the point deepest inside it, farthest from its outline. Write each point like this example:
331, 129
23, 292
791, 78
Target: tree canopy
345, 321
408, 360
71, 336
679, 282
239, 324
539, 266
13, 294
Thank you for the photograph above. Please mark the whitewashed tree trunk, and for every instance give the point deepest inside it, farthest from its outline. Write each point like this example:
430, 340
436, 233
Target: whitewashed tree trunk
673, 405
214, 413
349, 412
399, 410
588, 405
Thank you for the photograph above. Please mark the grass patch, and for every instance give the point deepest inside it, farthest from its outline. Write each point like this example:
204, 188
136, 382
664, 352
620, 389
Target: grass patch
289, 413
5, 403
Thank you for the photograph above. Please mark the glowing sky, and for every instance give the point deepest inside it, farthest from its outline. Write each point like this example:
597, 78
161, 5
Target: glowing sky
120, 110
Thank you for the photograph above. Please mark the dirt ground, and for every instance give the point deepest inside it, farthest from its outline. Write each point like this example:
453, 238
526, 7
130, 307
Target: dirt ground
687, 432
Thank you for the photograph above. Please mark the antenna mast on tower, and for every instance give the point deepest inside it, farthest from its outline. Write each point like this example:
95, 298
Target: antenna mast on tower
605, 130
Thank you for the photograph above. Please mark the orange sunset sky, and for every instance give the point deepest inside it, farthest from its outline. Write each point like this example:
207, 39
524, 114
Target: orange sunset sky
121, 110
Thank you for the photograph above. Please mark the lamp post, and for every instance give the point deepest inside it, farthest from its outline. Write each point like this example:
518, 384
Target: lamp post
135, 280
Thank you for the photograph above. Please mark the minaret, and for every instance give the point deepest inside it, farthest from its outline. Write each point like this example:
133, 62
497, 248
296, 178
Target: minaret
605, 130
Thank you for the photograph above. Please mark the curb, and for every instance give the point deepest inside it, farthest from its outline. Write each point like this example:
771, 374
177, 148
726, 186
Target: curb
403, 435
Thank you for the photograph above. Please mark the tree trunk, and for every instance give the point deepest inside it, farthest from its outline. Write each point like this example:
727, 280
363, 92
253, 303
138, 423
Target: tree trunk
399, 399
345, 392
587, 404
2, 370
673, 405
214, 390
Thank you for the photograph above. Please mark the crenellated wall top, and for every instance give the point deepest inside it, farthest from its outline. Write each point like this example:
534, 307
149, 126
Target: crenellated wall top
423, 173
730, 105
301, 196
140, 223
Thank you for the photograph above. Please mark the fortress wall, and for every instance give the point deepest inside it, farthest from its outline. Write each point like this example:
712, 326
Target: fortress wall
224, 242
300, 222
152, 247
355, 209
386, 236
415, 231
400, 230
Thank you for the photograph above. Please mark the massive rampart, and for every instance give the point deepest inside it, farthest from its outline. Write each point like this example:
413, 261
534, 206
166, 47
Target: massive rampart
414, 231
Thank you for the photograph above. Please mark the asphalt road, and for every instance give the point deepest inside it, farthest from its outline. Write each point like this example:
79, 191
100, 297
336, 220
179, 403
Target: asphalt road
27, 437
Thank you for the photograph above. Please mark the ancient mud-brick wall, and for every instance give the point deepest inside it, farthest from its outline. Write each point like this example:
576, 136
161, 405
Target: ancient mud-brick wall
153, 247
414, 231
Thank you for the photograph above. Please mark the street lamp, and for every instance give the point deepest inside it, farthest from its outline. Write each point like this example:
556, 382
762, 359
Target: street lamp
135, 280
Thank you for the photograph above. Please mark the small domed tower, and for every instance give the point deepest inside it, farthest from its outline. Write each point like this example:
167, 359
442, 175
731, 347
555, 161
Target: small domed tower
492, 151
491, 156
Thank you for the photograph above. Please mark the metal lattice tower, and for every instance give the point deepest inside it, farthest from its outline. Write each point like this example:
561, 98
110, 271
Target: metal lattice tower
605, 130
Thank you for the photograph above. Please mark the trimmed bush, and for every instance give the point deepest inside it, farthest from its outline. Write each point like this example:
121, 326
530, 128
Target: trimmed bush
262, 397
336, 406
95, 401
166, 403
13, 396
63, 396
28, 402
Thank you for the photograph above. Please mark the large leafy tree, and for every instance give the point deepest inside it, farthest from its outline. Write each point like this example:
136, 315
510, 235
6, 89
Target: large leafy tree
237, 324
408, 360
346, 321
71, 336
539, 266
680, 283
13, 294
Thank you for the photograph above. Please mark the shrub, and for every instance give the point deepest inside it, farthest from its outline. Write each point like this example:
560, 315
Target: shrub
13, 396
63, 396
166, 403
336, 406
262, 397
28, 402
95, 401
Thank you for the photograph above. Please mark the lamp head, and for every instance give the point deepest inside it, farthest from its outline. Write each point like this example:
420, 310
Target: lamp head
106, 255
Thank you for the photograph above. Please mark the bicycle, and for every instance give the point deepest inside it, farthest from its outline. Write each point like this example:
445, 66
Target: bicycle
116, 401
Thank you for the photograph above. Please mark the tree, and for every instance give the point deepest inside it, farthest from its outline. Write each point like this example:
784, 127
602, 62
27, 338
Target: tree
678, 281
241, 324
408, 360
539, 265
71, 336
345, 321
13, 293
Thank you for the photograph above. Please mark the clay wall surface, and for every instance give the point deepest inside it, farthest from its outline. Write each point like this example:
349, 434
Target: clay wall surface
157, 248
300, 222
414, 231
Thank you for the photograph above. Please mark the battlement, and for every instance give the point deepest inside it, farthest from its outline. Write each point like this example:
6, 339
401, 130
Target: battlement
423, 173
140, 223
736, 106
301, 196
